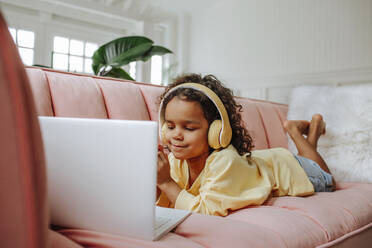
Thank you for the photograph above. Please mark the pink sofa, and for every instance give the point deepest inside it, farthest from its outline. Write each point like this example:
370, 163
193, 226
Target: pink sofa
24, 219
339, 219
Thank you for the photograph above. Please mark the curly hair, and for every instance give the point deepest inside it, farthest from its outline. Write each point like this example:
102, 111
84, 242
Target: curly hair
241, 139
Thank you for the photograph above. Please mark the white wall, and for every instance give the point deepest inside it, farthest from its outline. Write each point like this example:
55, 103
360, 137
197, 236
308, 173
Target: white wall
263, 48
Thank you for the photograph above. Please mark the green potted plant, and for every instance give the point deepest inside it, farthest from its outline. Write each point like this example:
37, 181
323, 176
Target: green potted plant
109, 59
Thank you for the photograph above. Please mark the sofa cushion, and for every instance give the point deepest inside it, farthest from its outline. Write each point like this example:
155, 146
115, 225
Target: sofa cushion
291, 222
253, 122
123, 100
41, 91
57, 240
336, 213
151, 95
196, 231
264, 121
282, 111
213, 231
286, 223
76, 96
273, 124
104, 240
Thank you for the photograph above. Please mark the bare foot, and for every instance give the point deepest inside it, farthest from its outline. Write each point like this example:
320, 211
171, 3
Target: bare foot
301, 125
316, 129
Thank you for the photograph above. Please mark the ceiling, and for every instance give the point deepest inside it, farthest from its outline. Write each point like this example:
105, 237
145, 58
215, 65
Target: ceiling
138, 10
155, 8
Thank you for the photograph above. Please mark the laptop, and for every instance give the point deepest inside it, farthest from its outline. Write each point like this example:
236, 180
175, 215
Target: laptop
102, 176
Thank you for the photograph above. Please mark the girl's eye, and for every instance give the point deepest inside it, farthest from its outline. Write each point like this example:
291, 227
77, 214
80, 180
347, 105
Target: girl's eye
189, 128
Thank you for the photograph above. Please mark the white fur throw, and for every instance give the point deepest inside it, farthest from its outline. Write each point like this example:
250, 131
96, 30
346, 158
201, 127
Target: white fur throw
347, 110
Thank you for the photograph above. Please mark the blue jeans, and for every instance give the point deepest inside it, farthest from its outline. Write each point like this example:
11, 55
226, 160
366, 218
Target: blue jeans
321, 180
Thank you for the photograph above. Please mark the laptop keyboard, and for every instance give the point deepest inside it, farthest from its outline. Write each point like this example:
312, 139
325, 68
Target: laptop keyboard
160, 221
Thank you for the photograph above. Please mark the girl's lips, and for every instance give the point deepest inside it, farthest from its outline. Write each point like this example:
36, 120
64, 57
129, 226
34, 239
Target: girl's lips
177, 146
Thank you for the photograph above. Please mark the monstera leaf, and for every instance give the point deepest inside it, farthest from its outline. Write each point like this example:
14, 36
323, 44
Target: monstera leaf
109, 59
117, 73
154, 50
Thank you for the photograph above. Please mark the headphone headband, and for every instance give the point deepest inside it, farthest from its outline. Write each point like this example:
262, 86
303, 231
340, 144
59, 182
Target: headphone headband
226, 131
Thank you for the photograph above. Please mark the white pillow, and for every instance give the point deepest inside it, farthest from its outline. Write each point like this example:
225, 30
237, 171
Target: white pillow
347, 110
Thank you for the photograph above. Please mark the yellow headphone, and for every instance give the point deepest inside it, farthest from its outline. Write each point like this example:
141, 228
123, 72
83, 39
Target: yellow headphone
220, 132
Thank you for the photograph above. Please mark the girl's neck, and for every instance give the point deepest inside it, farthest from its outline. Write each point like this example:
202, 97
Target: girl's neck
196, 165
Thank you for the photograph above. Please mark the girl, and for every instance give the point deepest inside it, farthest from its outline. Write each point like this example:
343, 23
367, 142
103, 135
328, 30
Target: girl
211, 169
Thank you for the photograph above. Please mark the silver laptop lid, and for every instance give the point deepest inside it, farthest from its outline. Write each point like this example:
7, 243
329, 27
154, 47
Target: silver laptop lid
102, 174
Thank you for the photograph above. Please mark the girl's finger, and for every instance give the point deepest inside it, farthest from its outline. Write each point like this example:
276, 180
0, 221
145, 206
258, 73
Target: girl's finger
160, 148
162, 158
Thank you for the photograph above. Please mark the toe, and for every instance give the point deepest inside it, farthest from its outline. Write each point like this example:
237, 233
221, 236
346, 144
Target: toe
317, 117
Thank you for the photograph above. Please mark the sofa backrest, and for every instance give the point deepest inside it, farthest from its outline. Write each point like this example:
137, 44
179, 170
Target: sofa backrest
75, 95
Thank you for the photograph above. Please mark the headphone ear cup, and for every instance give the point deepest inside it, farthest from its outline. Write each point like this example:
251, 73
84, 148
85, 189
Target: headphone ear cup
214, 134
163, 131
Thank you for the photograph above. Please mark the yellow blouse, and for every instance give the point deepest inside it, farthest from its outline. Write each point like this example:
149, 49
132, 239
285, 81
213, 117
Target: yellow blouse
230, 181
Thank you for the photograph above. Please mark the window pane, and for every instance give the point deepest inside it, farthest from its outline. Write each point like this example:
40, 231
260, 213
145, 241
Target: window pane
76, 64
13, 32
27, 55
132, 69
60, 45
90, 48
60, 61
88, 66
77, 47
26, 38
156, 69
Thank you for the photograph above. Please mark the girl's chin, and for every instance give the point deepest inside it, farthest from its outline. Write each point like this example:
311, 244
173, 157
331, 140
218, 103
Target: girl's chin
179, 155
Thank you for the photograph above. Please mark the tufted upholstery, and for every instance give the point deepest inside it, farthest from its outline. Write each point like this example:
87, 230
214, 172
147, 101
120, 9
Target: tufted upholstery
74, 95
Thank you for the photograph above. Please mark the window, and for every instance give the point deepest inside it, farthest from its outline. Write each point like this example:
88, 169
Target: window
72, 55
156, 69
25, 41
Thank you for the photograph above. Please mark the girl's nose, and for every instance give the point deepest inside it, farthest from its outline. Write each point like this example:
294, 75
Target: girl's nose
177, 134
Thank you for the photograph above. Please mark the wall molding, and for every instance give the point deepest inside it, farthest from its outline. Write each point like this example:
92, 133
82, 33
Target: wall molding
349, 76
278, 89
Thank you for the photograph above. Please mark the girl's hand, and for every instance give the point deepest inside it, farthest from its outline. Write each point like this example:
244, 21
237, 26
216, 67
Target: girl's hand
165, 182
164, 149
163, 168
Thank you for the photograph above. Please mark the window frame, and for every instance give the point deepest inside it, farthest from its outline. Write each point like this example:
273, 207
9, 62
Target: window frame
69, 54
16, 41
75, 32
